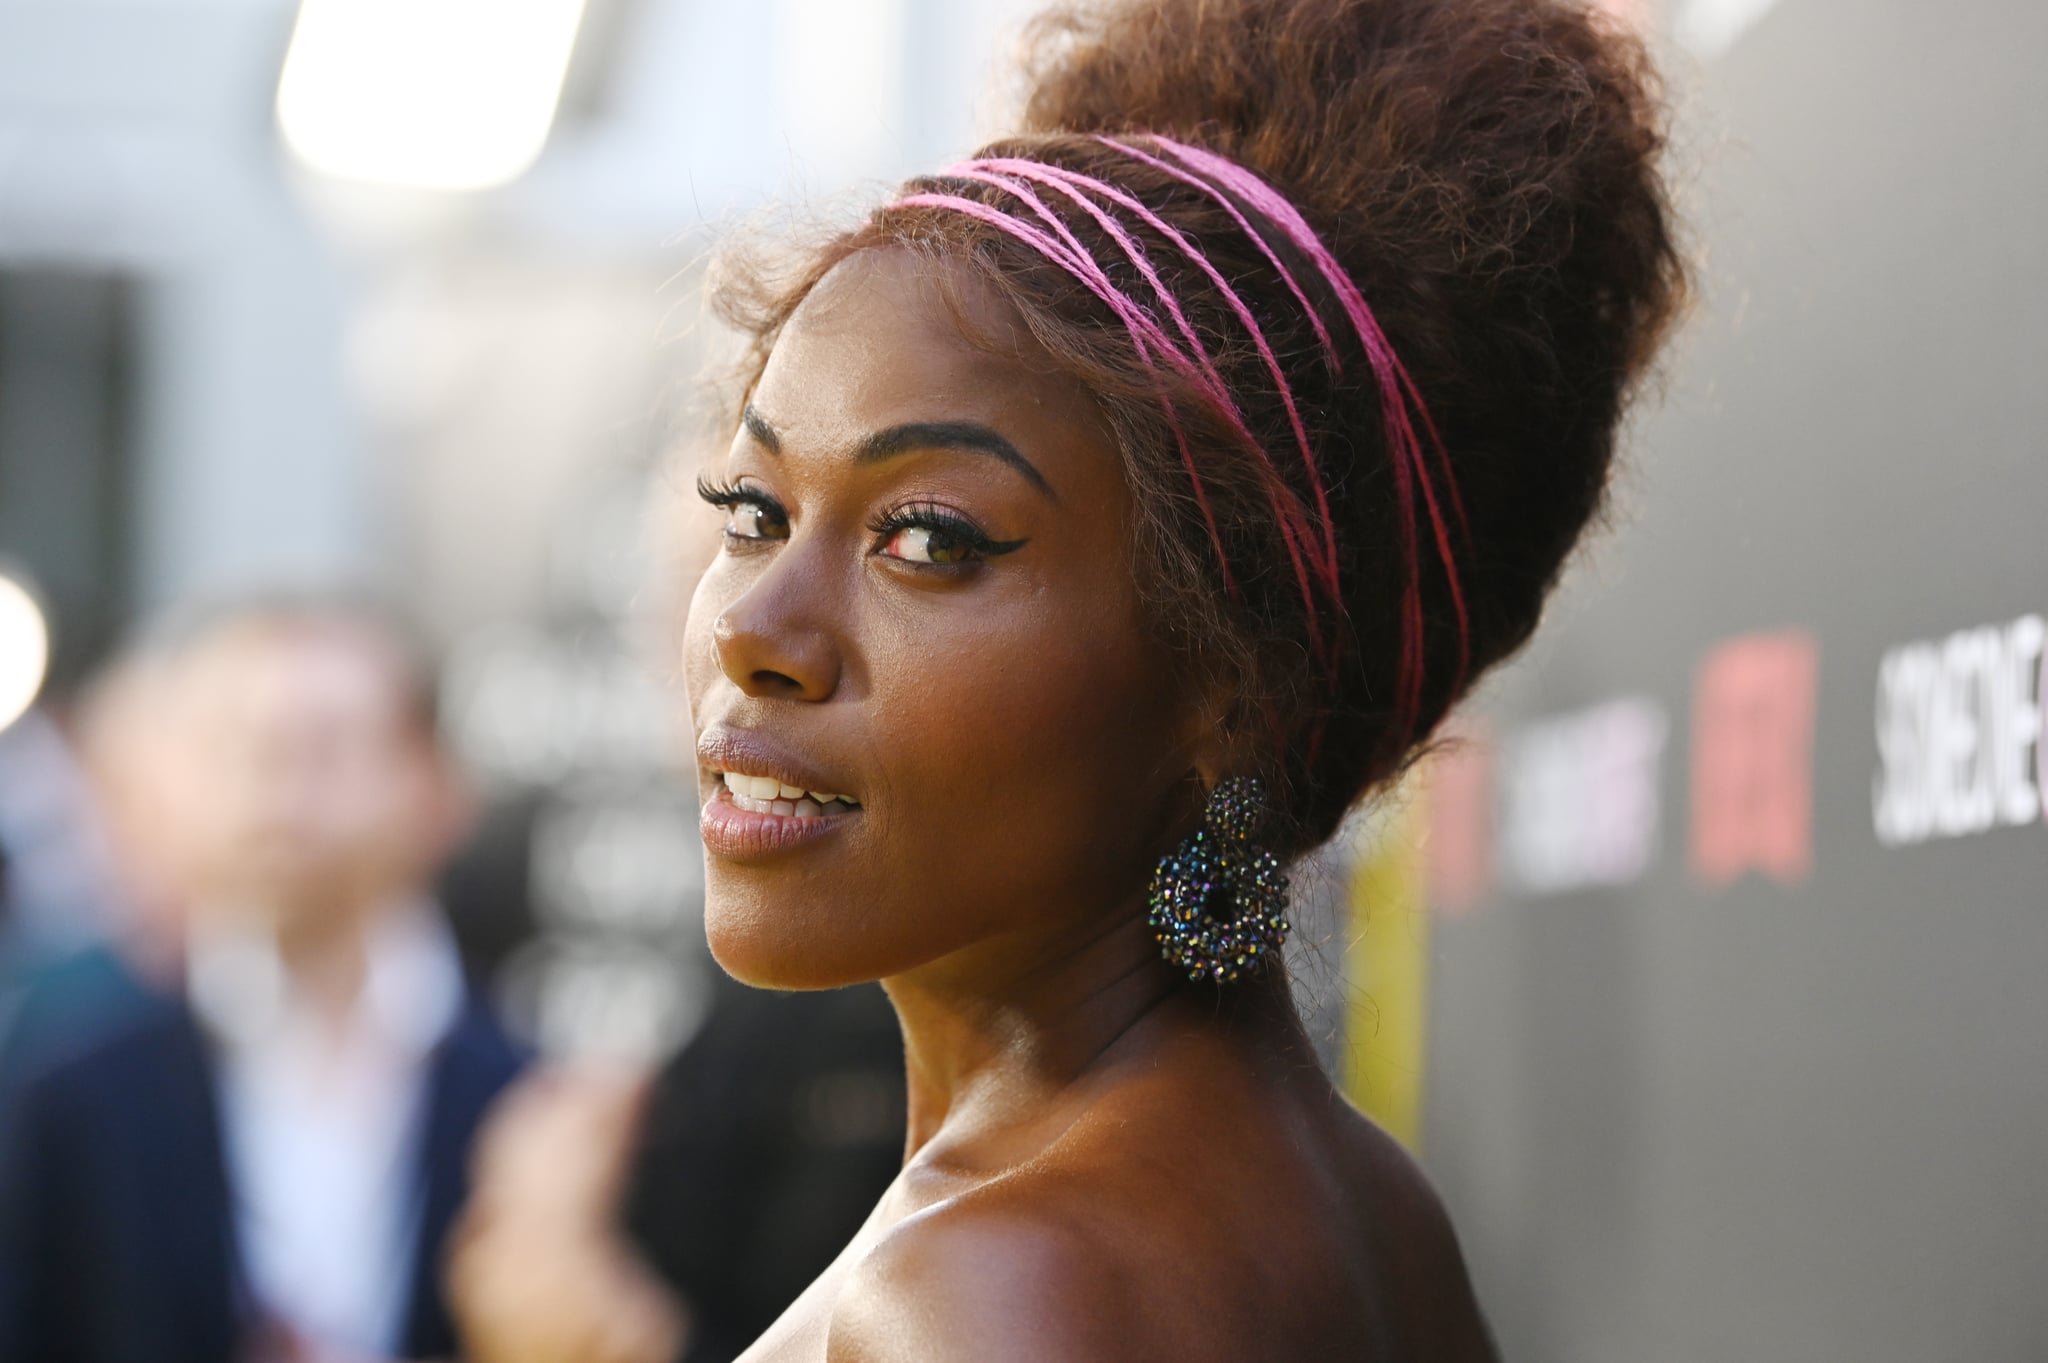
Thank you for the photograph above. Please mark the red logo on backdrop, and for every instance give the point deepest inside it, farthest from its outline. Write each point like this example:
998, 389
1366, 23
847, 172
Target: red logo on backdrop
1459, 851
1752, 758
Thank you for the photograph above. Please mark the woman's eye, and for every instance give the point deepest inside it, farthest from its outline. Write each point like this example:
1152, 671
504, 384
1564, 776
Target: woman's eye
753, 521
927, 544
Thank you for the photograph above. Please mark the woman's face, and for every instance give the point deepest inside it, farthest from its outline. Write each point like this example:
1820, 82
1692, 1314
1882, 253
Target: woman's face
925, 603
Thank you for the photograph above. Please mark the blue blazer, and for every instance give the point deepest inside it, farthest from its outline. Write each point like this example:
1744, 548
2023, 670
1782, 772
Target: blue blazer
117, 1232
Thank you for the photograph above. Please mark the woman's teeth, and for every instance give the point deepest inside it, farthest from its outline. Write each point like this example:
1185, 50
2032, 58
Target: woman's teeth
766, 795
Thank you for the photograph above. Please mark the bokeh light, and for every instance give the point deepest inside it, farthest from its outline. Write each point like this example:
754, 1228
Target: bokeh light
24, 650
432, 94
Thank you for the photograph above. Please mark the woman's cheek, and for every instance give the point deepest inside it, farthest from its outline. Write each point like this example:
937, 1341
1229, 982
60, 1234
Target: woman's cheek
700, 656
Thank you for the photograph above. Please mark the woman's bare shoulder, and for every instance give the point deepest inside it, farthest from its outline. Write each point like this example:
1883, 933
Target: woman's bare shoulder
1000, 1276
1148, 1233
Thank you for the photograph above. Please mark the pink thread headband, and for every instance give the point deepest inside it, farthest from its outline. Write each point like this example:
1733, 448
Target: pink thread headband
1313, 555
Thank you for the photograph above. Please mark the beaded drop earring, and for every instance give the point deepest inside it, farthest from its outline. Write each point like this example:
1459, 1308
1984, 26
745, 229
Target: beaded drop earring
1218, 900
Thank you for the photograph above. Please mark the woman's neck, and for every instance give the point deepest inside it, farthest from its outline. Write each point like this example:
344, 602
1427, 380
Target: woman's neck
996, 1039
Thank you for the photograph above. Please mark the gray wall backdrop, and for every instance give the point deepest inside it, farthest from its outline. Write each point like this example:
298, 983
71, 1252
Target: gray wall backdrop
1799, 1113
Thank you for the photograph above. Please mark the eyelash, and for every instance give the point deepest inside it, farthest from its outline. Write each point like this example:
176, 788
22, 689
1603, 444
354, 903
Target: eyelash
929, 516
916, 516
726, 496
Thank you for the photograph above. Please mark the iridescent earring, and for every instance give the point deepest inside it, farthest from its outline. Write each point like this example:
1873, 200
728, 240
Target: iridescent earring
1218, 900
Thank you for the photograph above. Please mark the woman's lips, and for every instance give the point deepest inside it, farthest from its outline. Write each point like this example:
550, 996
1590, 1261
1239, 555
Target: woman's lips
743, 834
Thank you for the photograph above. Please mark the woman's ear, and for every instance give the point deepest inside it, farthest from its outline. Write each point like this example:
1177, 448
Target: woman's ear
1214, 741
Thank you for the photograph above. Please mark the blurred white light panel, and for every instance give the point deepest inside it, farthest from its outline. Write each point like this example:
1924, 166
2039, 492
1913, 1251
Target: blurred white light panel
1710, 27
434, 94
24, 650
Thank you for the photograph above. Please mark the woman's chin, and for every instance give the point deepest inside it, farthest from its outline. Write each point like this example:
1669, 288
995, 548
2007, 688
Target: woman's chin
770, 956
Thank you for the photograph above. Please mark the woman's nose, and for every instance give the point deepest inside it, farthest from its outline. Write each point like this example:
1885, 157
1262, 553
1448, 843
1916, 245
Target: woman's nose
770, 640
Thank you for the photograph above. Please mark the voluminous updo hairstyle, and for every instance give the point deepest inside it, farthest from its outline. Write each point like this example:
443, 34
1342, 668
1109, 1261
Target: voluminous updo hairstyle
1488, 173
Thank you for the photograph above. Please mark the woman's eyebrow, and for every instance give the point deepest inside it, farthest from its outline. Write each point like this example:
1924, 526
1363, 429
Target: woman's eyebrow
950, 435
971, 436
758, 427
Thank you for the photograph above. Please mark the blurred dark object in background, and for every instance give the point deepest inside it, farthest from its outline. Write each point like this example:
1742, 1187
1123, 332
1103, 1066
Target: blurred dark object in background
740, 1172
768, 1140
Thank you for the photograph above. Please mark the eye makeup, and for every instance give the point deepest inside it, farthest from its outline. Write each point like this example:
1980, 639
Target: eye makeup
928, 535
922, 534
752, 514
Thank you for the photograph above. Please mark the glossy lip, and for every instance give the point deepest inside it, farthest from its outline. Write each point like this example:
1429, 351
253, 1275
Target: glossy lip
736, 834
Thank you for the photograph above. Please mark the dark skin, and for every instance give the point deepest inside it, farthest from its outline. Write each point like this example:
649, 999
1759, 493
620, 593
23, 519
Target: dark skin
1103, 1163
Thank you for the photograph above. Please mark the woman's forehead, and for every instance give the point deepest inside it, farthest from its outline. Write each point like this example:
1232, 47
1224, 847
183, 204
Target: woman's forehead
879, 341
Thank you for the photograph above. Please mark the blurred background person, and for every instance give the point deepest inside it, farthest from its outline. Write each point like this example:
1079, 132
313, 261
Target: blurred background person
117, 761
59, 894
265, 1163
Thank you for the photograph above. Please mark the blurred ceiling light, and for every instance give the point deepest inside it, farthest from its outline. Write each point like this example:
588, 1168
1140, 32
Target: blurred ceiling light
24, 650
1709, 28
435, 94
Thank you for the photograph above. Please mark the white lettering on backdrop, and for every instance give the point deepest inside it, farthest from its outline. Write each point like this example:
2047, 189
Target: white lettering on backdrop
1959, 734
1580, 797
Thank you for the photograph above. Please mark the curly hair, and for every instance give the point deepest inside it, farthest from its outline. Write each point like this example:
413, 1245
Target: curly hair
1489, 173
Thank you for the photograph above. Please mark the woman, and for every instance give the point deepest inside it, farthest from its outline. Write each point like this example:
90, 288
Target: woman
1108, 516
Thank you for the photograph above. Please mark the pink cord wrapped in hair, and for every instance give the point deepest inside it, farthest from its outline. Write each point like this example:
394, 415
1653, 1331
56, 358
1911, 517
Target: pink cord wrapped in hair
1397, 391
1145, 333
1296, 528
1314, 555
